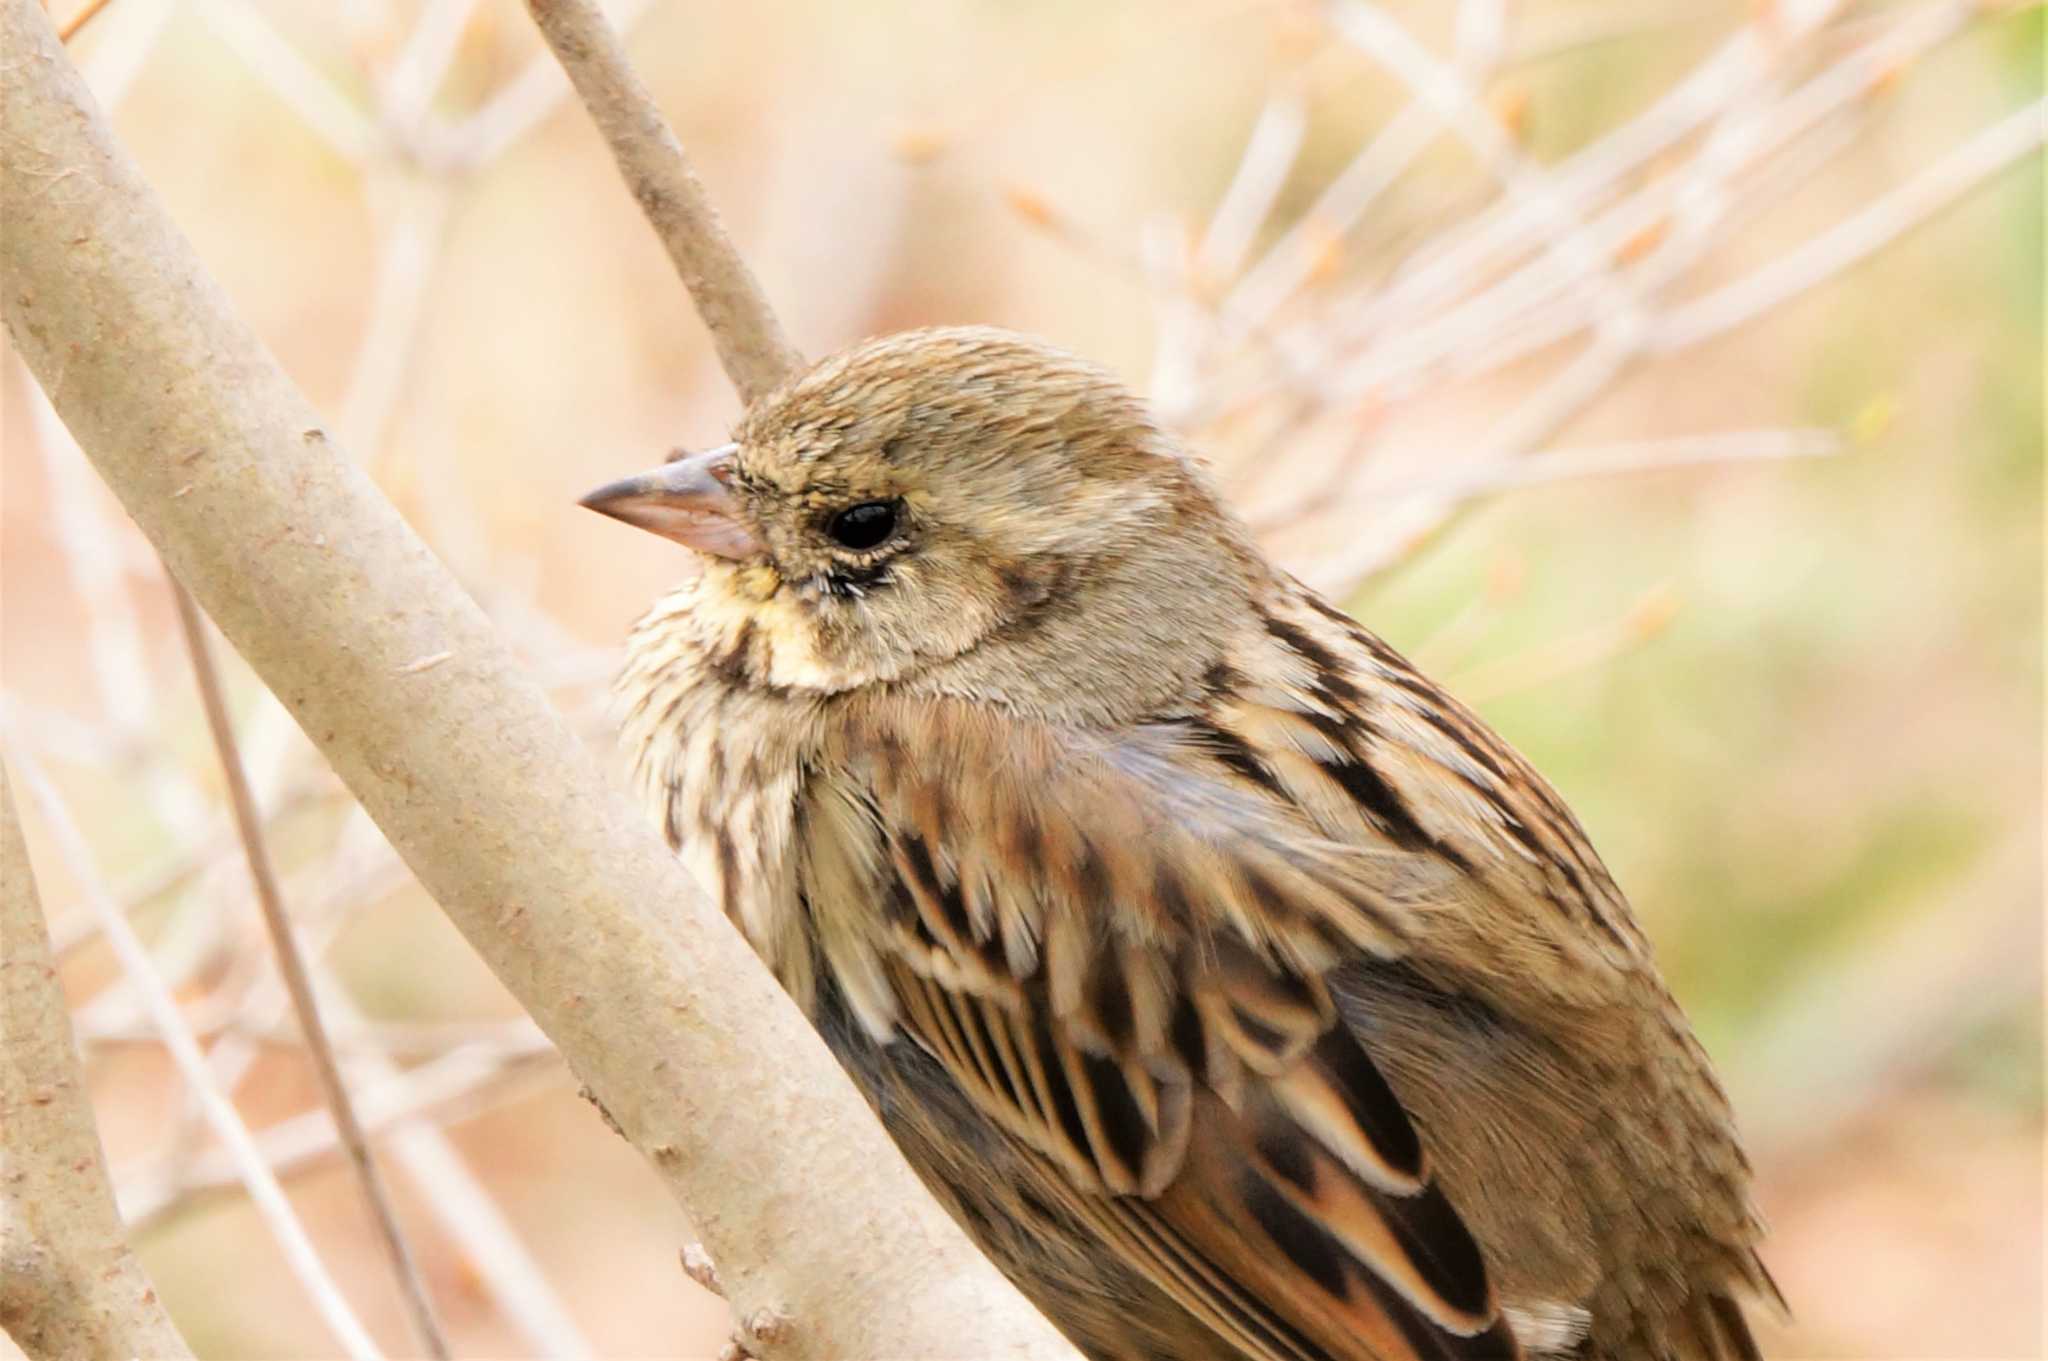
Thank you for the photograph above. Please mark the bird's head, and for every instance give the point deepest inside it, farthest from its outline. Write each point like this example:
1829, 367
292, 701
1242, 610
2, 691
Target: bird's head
963, 507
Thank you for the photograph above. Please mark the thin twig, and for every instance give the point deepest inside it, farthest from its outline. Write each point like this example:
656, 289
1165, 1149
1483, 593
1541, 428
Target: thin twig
117, 54
407, 250
1441, 650
1634, 456
444, 1090
88, 536
1752, 125
1697, 205
217, 1014
271, 58
1418, 521
424, 61
408, 1128
81, 19
69, 1286
77, 927
751, 346
1561, 225
292, 966
469, 1069
1262, 171
1987, 153
516, 108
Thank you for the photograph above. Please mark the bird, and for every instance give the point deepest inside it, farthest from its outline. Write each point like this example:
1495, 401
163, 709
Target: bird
1238, 990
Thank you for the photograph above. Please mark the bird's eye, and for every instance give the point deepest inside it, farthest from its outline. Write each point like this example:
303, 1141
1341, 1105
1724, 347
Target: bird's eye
864, 526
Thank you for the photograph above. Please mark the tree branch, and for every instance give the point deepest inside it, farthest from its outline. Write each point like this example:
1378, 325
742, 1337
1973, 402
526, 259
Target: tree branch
549, 871
68, 1284
750, 342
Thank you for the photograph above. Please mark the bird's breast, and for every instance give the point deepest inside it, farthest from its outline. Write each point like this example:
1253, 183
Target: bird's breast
720, 759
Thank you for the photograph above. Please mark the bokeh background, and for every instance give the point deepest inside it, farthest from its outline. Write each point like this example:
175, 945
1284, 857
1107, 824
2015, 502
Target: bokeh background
1666, 377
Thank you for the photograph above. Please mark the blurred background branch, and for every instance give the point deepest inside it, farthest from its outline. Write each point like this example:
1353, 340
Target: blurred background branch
1706, 460
298, 985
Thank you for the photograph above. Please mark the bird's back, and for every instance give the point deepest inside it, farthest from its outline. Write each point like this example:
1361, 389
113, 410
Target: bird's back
1575, 1121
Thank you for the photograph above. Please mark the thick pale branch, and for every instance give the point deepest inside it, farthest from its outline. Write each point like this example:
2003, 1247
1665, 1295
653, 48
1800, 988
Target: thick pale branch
68, 1284
550, 872
750, 342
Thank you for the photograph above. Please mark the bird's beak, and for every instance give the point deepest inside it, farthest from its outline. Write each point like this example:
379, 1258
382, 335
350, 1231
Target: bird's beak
690, 500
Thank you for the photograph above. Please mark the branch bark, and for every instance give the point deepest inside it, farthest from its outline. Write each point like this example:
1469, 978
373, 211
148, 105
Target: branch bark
69, 1286
544, 865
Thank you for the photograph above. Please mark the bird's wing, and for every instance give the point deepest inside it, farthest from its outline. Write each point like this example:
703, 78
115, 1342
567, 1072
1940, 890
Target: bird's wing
1123, 961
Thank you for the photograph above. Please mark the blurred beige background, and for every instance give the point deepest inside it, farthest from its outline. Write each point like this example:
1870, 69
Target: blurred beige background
1792, 683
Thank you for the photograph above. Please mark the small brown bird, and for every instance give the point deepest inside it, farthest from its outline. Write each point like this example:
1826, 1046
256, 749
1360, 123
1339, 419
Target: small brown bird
1237, 989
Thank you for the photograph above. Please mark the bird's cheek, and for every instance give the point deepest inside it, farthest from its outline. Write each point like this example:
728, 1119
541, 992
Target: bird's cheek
757, 581
955, 616
793, 652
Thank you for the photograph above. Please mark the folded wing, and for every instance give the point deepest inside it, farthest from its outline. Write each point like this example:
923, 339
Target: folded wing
1123, 962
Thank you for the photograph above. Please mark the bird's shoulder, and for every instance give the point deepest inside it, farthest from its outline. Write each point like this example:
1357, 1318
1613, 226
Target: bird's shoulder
1338, 729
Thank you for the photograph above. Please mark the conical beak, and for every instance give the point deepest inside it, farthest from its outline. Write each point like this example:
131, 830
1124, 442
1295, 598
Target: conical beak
690, 500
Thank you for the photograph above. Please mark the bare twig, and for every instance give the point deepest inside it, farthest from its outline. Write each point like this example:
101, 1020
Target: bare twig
410, 241
339, 120
291, 965
1439, 651
443, 1090
1561, 228
1463, 254
78, 927
69, 1286
118, 53
211, 1016
518, 105
489, 1241
549, 871
1262, 170
81, 19
497, 1063
1992, 150
750, 342
473, 1069
120, 663
423, 63
1416, 521
1635, 456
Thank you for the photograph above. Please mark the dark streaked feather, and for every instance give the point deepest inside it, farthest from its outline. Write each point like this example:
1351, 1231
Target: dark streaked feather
1176, 1054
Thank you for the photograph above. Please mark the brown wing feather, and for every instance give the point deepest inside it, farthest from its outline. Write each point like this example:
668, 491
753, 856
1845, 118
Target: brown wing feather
1170, 1043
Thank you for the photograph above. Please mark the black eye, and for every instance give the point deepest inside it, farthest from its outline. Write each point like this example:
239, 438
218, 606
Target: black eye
864, 526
